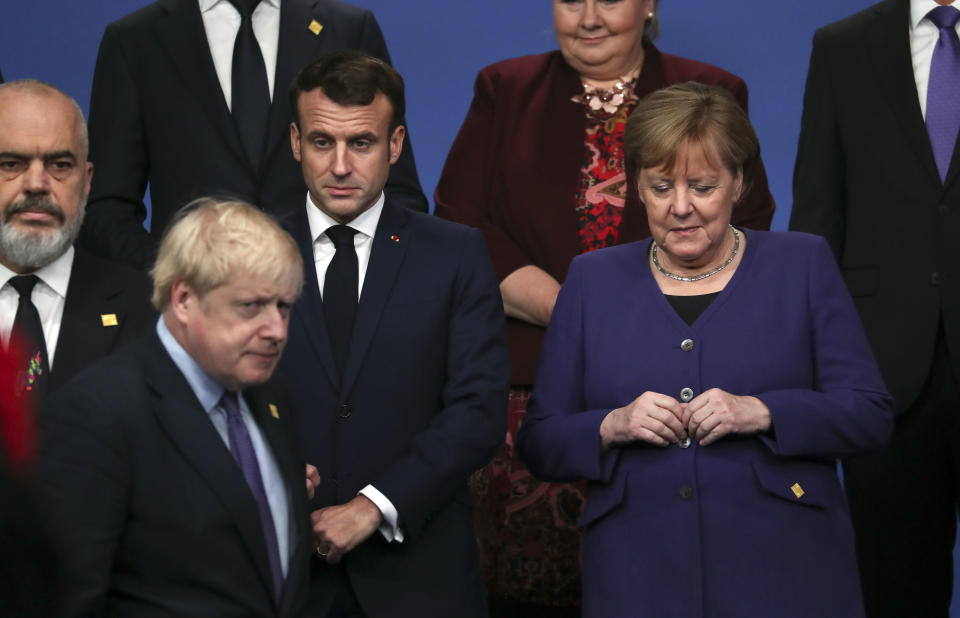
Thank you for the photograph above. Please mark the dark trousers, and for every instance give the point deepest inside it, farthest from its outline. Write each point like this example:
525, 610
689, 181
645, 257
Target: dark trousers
904, 504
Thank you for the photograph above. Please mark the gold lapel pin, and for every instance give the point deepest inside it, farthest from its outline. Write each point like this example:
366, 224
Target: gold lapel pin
109, 319
797, 490
274, 412
315, 27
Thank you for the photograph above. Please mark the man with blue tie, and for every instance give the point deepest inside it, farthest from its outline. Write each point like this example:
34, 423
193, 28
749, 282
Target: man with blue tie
878, 175
173, 466
397, 360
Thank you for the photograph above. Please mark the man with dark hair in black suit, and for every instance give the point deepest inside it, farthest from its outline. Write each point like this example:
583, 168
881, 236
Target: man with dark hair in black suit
188, 97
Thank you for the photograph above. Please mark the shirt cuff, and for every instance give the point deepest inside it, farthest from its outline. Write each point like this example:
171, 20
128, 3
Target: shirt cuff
388, 528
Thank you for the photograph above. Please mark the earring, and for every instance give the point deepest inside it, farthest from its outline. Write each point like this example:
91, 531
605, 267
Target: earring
650, 15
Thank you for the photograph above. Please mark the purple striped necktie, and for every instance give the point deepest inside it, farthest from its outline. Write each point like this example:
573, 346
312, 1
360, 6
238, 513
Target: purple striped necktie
943, 89
242, 449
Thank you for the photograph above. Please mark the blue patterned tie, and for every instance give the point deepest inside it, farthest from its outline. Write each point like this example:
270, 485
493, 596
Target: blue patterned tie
242, 449
943, 89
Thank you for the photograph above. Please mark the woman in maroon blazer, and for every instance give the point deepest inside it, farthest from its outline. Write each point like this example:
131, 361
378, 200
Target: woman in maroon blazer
538, 167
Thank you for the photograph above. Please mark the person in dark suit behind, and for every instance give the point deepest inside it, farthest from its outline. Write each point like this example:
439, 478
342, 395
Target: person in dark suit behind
67, 307
172, 466
402, 394
185, 98
878, 175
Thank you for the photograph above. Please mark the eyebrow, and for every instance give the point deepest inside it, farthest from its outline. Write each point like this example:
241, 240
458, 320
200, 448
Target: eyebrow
367, 135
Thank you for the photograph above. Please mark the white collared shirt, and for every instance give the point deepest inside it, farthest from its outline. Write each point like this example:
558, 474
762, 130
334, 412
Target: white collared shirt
323, 252
923, 38
221, 21
49, 296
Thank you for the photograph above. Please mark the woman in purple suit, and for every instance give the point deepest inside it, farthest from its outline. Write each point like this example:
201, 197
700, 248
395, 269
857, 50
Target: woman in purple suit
703, 382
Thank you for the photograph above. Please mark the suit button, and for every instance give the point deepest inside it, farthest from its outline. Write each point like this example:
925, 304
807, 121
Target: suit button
935, 278
685, 443
346, 410
686, 394
686, 492
943, 209
686, 345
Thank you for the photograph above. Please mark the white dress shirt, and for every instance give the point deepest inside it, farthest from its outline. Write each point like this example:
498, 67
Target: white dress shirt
49, 296
323, 252
923, 38
221, 21
208, 393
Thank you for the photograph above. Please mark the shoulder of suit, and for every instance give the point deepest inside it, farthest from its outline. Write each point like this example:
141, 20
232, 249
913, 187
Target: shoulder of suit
524, 70
105, 272
141, 18
849, 27
429, 225
335, 10
686, 69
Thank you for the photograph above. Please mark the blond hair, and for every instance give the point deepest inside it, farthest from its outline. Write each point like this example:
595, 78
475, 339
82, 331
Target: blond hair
686, 115
209, 240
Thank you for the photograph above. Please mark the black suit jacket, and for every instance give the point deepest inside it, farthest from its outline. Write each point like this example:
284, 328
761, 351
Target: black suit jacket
422, 404
866, 179
99, 288
158, 115
156, 514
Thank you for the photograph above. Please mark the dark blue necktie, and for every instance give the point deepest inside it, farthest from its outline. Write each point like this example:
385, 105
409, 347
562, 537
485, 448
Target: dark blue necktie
250, 98
27, 335
943, 89
340, 286
242, 449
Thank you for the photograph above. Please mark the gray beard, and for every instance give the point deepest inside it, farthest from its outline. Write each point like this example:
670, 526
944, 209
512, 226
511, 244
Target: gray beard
32, 249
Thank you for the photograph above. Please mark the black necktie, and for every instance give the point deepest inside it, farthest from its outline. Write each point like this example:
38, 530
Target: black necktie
340, 293
250, 99
27, 335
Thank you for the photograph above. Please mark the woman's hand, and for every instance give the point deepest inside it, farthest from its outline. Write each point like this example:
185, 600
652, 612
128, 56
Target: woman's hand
651, 417
716, 413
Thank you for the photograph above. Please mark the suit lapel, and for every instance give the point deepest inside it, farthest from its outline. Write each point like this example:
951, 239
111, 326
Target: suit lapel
83, 335
887, 47
390, 244
179, 413
183, 39
297, 45
308, 312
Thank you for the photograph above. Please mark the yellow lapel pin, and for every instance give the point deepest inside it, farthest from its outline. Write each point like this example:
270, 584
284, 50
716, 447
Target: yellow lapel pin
109, 319
797, 490
315, 27
274, 412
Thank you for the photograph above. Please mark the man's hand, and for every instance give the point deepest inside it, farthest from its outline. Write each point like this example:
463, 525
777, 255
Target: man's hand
313, 481
338, 529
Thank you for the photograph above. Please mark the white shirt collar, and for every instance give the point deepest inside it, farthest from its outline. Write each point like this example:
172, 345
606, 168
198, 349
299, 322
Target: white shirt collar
919, 10
206, 5
56, 274
365, 223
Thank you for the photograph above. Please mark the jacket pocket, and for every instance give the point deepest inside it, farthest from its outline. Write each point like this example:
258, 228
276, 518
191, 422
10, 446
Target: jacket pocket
804, 483
602, 498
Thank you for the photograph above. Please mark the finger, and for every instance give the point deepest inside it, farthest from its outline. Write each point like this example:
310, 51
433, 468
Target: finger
671, 423
648, 435
711, 425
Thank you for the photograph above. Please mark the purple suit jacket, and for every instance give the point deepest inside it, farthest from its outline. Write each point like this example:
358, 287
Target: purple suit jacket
513, 170
673, 531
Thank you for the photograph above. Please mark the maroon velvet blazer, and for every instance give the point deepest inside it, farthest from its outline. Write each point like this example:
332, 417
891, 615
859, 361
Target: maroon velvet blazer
514, 167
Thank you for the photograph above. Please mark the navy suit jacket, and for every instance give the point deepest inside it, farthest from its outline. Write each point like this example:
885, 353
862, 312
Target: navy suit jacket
753, 526
866, 180
154, 513
421, 405
158, 115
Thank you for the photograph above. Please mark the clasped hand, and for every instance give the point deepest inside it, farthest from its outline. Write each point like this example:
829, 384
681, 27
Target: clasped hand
660, 419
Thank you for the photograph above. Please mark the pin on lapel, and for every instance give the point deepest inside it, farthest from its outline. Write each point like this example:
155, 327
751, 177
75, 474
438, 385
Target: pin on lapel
395, 238
109, 319
315, 27
797, 490
273, 411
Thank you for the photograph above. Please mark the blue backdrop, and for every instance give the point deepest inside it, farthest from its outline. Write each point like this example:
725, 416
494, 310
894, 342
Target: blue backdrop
440, 46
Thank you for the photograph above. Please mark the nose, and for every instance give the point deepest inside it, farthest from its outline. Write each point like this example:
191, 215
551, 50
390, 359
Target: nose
36, 179
341, 161
682, 201
590, 18
274, 325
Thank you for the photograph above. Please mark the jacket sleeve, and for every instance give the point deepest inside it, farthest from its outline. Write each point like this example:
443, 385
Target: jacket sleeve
848, 412
472, 422
113, 227
464, 189
560, 439
819, 195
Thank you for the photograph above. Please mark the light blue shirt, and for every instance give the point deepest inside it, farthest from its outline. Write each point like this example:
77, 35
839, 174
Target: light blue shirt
209, 392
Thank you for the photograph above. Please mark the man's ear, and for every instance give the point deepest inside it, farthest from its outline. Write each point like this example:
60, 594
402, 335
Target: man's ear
295, 140
396, 143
